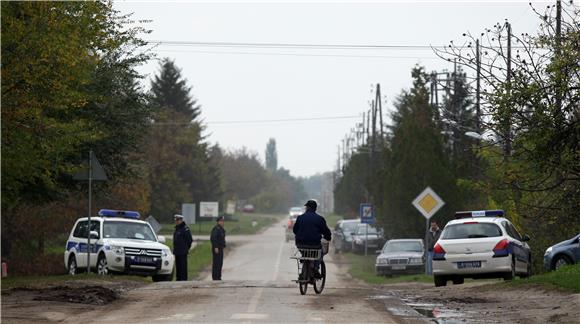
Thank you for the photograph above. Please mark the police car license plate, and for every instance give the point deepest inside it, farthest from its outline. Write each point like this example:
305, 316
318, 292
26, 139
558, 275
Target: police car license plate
468, 264
141, 259
399, 267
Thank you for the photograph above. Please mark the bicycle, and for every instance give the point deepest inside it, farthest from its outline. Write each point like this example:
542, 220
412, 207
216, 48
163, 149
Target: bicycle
305, 259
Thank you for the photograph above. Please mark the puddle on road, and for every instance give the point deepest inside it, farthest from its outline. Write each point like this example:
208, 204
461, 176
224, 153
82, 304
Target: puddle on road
432, 312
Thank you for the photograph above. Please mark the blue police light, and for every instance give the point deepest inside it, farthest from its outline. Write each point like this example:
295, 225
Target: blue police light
479, 213
119, 213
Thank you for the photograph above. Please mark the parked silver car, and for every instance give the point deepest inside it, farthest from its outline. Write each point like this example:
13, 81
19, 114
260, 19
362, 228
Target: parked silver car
402, 256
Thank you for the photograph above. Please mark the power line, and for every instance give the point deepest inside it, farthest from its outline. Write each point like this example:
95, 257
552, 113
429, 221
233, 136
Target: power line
259, 121
303, 54
293, 45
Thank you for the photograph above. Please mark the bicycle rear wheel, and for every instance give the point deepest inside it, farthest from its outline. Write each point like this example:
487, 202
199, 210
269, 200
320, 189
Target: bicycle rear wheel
319, 283
303, 283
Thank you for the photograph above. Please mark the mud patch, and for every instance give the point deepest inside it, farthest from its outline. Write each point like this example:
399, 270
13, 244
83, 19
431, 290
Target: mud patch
91, 295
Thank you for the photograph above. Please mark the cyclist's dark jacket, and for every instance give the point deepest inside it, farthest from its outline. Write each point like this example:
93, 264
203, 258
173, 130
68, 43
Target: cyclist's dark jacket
181, 239
310, 228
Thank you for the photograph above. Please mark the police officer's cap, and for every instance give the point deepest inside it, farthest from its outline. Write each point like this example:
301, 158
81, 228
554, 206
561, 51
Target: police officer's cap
177, 216
311, 204
220, 219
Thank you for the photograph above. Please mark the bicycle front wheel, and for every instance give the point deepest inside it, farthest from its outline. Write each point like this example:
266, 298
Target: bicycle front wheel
319, 283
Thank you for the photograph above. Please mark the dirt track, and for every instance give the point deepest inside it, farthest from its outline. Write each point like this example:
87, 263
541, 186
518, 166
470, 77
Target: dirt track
257, 288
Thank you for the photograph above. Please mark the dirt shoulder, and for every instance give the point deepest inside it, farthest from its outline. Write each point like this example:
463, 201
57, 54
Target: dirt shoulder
489, 302
56, 301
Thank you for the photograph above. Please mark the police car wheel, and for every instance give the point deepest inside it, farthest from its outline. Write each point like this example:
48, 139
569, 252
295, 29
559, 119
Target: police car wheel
72, 265
102, 265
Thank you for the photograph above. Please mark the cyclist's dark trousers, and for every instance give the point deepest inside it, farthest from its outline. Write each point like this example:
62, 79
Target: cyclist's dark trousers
218, 261
181, 267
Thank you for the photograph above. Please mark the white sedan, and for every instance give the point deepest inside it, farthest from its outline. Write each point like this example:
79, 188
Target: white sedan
480, 244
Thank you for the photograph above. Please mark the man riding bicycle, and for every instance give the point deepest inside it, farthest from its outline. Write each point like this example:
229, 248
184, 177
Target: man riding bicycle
309, 229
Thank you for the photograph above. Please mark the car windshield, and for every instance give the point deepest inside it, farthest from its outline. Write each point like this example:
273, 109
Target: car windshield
295, 210
403, 247
471, 230
349, 227
128, 230
362, 230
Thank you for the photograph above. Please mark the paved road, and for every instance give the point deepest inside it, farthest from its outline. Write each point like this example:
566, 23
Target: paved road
257, 288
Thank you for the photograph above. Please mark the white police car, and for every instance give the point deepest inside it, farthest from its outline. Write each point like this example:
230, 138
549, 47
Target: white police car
480, 244
120, 243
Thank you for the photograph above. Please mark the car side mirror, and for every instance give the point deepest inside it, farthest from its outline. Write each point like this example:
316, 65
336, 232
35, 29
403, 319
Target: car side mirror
377, 252
161, 239
94, 234
525, 238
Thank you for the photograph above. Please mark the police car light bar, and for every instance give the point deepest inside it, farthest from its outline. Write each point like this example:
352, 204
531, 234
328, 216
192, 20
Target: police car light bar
479, 213
119, 213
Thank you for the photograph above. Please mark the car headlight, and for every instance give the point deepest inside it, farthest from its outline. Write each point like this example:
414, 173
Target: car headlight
358, 241
383, 261
118, 250
415, 260
165, 253
548, 251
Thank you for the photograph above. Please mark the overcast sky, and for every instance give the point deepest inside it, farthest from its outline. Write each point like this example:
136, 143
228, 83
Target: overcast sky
256, 84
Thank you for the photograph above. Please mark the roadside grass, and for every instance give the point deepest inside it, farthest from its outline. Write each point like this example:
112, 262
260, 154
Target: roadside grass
363, 268
566, 278
237, 225
41, 281
198, 259
332, 219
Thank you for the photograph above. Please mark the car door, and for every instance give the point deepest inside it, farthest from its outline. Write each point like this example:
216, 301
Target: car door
80, 243
80, 238
520, 249
576, 249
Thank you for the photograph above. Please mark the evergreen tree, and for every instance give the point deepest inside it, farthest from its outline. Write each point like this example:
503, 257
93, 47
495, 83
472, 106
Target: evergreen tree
181, 166
271, 155
170, 90
416, 159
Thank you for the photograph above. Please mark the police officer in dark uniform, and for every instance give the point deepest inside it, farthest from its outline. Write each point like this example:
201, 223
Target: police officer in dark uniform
181, 244
218, 243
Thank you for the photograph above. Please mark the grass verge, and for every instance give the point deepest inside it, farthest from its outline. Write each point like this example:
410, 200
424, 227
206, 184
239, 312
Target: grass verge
363, 268
566, 278
237, 225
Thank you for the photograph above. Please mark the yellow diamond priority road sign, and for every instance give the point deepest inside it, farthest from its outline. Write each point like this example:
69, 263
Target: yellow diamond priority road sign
428, 202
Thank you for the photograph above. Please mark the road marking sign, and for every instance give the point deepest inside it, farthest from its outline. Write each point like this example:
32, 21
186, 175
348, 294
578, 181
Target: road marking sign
367, 213
428, 202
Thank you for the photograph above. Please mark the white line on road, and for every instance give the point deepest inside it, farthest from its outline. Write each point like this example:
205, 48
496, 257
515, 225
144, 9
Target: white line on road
240, 316
278, 259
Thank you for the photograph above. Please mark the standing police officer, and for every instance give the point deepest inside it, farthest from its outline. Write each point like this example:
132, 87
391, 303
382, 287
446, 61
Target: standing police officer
181, 244
218, 243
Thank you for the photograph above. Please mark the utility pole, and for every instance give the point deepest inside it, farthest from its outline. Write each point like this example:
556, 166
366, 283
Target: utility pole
380, 106
558, 109
90, 211
477, 88
507, 120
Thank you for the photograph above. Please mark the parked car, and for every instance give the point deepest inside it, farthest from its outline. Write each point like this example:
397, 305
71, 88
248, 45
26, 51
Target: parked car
563, 253
290, 226
296, 211
401, 256
248, 208
372, 237
480, 244
342, 238
120, 243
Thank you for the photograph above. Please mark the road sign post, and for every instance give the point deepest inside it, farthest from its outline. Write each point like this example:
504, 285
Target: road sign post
428, 203
93, 172
367, 216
